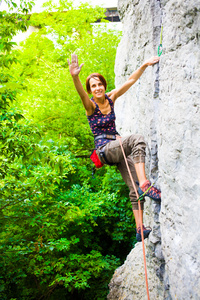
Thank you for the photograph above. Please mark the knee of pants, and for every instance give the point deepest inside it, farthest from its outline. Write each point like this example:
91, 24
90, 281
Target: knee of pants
139, 148
137, 139
140, 142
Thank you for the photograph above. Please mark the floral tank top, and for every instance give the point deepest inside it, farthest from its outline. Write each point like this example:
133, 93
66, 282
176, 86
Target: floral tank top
102, 124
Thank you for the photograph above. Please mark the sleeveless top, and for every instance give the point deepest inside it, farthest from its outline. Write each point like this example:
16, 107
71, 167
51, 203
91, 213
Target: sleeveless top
102, 124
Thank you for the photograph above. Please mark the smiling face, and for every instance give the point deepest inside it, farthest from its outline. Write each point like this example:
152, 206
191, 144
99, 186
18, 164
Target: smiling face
95, 76
97, 88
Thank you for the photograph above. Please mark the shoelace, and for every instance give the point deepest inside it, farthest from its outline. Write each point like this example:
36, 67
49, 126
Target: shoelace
149, 188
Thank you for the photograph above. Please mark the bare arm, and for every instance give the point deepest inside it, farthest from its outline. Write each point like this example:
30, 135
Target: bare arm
75, 69
132, 79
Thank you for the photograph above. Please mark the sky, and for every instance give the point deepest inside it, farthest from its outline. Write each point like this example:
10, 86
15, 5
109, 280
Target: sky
38, 4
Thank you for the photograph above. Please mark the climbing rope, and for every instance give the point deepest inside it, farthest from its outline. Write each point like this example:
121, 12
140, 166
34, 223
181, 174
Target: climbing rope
160, 45
140, 213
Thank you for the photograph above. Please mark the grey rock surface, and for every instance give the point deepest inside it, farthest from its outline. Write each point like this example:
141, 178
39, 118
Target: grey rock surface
164, 106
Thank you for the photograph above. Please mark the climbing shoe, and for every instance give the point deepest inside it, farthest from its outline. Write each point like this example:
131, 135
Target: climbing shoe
153, 192
146, 232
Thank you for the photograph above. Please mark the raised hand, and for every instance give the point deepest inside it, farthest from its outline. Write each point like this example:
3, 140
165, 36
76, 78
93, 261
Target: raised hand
151, 61
74, 67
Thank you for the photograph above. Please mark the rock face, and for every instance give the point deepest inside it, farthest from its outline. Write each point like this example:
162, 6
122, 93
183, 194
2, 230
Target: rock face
164, 106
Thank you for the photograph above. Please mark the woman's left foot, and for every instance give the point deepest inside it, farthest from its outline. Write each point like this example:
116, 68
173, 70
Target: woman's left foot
153, 192
146, 232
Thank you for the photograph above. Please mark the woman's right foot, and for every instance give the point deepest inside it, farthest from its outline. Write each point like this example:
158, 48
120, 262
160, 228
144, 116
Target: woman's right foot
153, 192
146, 232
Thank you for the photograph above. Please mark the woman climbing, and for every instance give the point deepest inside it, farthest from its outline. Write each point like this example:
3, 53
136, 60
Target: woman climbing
101, 118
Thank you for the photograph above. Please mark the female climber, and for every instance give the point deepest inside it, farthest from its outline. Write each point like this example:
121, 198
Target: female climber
101, 117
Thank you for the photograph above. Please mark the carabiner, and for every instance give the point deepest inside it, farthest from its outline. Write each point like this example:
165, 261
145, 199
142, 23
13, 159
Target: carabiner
160, 50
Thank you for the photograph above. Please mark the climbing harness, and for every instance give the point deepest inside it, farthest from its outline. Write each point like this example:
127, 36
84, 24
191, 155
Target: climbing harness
160, 45
99, 163
94, 157
105, 136
140, 213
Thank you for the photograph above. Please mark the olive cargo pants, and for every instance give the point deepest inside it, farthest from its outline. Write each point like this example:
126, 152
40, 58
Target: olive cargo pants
134, 147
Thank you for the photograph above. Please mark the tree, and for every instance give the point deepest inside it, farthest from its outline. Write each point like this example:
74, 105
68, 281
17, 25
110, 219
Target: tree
63, 231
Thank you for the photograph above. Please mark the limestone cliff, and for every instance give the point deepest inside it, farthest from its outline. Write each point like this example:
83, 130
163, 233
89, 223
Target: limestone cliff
164, 106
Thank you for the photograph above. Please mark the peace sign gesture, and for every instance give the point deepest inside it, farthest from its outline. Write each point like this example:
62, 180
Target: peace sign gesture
74, 68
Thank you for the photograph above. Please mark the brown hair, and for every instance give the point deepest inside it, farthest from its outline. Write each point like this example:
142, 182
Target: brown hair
93, 75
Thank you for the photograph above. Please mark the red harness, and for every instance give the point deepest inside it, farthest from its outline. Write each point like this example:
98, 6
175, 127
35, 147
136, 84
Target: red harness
95, 159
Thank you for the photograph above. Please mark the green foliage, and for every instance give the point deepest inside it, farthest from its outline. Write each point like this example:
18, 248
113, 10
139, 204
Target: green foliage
63, 237
64, 231
12, 141
10, 24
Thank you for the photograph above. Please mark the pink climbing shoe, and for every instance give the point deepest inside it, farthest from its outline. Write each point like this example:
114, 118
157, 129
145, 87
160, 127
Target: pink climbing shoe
153, 192
146, 232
